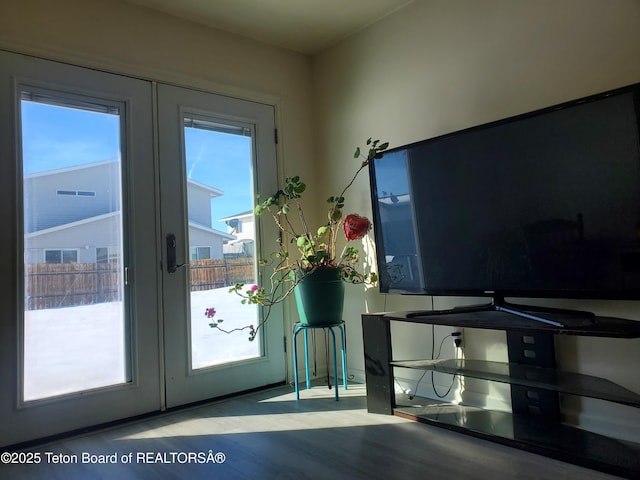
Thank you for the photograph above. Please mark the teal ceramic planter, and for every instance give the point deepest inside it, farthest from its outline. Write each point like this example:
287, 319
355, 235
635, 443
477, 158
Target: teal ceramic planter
320, 297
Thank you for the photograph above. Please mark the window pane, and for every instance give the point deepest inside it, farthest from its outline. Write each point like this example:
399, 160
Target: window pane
70, 256
74, 322
53, 256
102, 255
219, 171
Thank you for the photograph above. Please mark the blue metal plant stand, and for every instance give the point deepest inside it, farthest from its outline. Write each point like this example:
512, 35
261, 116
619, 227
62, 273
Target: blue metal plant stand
304, 328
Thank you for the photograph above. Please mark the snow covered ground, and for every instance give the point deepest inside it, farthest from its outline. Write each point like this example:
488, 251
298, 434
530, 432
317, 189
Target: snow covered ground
211, 346
78, 348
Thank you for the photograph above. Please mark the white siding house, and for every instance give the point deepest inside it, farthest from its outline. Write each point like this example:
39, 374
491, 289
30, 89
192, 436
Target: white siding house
67, 195
199, 197
206, 242
242, 227
76, 241
68, 210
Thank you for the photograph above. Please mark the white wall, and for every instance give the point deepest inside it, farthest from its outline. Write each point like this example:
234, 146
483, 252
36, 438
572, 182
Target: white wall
438, 66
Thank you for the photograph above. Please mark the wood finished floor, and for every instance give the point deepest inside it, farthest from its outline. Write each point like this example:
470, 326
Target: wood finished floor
269, 435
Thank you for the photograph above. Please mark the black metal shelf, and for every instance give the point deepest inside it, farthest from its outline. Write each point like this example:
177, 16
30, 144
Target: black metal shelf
530, 376
535, 422
558, 441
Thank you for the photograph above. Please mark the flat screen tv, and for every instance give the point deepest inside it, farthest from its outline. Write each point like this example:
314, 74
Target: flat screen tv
544, 204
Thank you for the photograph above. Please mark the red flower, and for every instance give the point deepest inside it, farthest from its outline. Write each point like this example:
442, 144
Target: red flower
355, 226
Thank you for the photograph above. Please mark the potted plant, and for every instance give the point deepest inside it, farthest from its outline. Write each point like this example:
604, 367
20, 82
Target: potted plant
307, 261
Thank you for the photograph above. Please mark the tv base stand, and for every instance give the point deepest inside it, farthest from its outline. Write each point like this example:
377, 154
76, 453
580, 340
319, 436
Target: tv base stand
556, 317
534, 424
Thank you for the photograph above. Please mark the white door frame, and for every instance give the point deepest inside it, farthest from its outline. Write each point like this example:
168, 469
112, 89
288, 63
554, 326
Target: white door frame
23, 422
183, 384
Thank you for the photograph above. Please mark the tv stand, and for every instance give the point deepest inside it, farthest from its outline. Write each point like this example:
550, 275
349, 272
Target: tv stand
557, 317
535, 421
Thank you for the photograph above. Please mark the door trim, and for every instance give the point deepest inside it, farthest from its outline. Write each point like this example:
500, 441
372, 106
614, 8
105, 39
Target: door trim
37, 419
185, 385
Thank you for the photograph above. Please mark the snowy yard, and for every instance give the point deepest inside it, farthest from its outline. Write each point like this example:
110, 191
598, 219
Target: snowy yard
78, 348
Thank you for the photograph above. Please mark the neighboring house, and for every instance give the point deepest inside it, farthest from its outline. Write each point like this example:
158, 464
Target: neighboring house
67, 195
68, 211
205, 242
82, 241
242, 227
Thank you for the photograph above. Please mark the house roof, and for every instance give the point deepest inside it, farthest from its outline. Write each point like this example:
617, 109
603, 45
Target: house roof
57, 171
248, 213
213, 192
211, 230
78, 223
97, 218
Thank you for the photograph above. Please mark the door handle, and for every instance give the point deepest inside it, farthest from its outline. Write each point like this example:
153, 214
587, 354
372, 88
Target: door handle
172, 263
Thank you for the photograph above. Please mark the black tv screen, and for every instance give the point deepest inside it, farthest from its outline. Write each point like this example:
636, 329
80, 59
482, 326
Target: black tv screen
545, 204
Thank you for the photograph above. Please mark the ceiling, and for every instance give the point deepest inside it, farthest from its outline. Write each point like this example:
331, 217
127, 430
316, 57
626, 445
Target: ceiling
305, 26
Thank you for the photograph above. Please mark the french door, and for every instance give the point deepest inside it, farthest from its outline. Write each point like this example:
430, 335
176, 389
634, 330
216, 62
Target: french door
94, 328
209, 146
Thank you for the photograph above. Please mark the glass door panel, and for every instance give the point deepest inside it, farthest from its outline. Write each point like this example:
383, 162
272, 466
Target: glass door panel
219, 173
79, 345
72, 198
215, 153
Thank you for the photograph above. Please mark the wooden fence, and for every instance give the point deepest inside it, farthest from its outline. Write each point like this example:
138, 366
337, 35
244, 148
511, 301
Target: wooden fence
208, 274
65, 285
